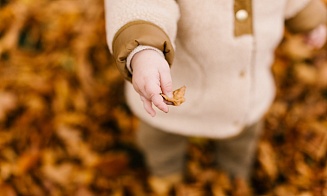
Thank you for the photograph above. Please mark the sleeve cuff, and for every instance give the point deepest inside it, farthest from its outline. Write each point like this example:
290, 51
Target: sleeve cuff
311, 16
137, 33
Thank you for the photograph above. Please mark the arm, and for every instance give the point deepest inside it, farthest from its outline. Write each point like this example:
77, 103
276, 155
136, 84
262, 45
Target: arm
308, 18
130, 23
153, 23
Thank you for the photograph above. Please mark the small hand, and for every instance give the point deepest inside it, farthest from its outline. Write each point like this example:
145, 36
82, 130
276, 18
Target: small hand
151, 77
317, 37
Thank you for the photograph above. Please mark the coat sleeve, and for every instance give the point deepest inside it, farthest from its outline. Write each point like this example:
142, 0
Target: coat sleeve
305, 15
130, 23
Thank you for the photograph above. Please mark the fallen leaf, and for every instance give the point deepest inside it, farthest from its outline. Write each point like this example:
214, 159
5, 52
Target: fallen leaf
178, 97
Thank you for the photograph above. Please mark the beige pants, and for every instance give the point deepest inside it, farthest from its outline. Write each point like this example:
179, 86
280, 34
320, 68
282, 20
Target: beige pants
165, 152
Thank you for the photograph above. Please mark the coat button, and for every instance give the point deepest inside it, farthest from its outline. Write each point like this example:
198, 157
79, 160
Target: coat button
242, 15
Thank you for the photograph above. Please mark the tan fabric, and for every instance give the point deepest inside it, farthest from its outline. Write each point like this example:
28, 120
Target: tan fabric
243, 27
139, 33
311, 16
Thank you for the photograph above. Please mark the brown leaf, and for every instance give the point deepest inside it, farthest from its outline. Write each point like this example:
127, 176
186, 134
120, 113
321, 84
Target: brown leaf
178, 96
8, 101
267, 160
306, 73
313, 139
61, 174
113, 164
27, 161
241, 188
191, 189
7, 190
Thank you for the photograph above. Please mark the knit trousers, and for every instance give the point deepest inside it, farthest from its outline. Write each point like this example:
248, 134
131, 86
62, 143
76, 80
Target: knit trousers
165, 152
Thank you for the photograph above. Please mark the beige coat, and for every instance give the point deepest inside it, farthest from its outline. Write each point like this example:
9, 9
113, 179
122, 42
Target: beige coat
222, 55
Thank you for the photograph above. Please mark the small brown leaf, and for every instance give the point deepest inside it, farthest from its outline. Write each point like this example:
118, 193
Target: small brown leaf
7, 189
27, 160
267, 159
113, 164
178, 97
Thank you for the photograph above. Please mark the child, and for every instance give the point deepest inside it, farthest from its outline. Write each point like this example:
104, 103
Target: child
222, 52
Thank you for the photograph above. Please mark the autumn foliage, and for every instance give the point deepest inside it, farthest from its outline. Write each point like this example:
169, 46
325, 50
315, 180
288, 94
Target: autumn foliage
65, 128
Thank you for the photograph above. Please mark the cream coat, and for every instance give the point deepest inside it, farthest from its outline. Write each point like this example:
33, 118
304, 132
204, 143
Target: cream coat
228, 79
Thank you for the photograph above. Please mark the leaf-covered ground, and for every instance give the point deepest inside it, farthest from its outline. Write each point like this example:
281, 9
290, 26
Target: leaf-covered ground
65, 128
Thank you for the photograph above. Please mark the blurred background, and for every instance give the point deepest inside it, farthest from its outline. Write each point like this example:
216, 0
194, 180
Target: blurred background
65, 128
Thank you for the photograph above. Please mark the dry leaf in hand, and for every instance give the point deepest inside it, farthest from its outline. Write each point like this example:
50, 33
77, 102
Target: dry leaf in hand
178, 97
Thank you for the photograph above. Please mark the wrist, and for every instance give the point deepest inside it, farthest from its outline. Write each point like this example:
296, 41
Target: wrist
137, 50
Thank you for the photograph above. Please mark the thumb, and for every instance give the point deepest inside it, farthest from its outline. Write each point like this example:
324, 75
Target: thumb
166, 83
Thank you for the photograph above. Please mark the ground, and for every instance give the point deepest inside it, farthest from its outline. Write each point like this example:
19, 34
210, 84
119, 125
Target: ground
65, 128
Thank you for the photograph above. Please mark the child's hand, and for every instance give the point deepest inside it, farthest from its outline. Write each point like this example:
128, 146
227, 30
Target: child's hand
151, 76
317, 37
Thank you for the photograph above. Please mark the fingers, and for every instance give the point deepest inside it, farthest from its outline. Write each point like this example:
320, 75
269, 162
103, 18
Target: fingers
148, 106
166, 82
157, 100
150, 94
